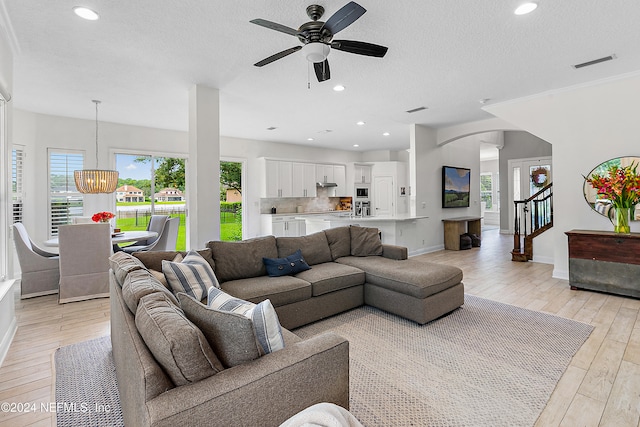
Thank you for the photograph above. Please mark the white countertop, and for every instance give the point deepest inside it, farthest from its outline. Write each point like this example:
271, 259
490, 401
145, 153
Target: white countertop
354, 218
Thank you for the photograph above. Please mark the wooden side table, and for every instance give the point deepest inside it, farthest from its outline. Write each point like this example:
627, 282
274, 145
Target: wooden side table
454, 227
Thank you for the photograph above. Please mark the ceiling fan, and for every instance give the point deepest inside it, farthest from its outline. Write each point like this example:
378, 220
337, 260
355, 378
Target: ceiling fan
317, 38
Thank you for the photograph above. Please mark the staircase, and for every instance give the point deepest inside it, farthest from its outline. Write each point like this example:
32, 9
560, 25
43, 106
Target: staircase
533, 217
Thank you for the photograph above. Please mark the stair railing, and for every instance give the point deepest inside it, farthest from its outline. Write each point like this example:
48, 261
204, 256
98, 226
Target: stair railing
536, 218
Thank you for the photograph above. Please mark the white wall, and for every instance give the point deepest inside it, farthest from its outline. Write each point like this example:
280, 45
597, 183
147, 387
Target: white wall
427, 159
586, 125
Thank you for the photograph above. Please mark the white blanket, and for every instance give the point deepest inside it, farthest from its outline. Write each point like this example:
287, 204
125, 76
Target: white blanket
323, 415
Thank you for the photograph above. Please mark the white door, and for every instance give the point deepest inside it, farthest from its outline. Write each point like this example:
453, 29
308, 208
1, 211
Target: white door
522, 174
382, 195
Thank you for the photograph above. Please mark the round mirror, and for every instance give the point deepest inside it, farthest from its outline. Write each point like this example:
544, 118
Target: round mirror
600, 205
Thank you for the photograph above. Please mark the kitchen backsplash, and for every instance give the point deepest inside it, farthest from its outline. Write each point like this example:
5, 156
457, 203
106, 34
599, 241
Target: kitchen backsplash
321, 203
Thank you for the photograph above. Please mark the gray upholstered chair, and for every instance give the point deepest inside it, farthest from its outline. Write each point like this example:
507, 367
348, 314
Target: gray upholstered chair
84, 261
166, 240
81, 220
40, 269
156, 223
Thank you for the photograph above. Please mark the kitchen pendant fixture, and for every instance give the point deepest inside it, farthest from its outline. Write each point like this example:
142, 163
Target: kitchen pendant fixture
94, 181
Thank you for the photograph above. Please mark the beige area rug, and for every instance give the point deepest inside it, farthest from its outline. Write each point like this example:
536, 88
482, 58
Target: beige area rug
485, 364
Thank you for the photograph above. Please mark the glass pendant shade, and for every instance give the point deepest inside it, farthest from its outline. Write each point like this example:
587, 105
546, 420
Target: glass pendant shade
94, 181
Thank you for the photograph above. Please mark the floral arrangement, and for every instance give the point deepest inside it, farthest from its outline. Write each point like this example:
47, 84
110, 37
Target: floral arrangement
102, 217
621, 186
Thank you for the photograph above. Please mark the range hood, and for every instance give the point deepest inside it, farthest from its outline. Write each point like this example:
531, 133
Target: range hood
326, 184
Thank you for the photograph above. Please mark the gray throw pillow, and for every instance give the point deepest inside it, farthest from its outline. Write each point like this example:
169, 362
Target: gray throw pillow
242, 260
191, 275
176, 343
122, 264
339, 240
230, 335
365, 241
140, 283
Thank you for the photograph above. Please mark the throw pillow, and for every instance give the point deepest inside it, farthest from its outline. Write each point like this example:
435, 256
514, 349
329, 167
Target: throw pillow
122, 264
263, 316
176, 343
365, 241
192, 276
140, 283
290, 265
230, 335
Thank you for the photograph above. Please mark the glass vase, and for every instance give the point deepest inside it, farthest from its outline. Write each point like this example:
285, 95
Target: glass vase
622, 220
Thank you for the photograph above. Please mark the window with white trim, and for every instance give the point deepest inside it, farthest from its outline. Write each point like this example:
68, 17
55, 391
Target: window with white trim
489, 191
17, 182
65, 201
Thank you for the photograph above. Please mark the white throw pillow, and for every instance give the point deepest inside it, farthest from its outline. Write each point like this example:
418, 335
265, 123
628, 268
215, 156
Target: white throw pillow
263, 315
193, 275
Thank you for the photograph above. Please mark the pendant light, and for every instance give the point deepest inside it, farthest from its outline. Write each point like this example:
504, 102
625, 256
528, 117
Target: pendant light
94, 181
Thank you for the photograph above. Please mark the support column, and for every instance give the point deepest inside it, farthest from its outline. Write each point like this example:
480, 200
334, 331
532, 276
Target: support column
203, 169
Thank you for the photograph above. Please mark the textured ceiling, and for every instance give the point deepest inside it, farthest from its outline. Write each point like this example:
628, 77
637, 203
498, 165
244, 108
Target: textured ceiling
142, 57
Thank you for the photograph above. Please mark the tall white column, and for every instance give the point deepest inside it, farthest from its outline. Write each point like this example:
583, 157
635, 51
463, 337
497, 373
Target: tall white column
203, 169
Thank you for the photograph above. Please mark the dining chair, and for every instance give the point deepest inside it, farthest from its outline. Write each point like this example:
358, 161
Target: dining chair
156, 224
166, 240
40, 269
84, 261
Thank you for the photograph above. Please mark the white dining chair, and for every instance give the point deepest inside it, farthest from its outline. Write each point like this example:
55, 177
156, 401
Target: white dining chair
40, 270
84, 261
166, 240
156, 223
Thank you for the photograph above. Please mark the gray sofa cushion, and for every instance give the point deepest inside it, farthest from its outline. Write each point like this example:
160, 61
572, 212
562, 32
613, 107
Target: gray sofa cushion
176, 343
140, 283
280, 290
241, 260
415, 278
365, 241
230, 335
331, 276
153, 260
122, 264
339, 239
314, 247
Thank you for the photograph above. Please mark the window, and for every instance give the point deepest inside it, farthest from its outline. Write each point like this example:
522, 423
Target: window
65, 201
489, 191
17, 185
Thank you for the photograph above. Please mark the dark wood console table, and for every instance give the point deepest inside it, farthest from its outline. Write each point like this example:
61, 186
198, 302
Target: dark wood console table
454, 227
605, 261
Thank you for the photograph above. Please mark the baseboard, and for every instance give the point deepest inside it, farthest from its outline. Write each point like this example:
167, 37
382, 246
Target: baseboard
8, 322
560, 274
543, 259
505, 231
427, 250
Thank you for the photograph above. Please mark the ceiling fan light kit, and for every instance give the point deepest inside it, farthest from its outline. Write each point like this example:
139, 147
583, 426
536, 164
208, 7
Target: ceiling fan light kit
317, 38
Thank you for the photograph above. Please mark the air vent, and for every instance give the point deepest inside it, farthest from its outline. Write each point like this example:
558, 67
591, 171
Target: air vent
594, 62
415, 110
272, 128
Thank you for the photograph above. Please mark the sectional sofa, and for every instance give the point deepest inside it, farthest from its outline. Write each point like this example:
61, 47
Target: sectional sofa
349, 267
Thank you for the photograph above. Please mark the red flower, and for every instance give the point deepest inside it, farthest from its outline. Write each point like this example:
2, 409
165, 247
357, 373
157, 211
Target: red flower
621, 185
102, 217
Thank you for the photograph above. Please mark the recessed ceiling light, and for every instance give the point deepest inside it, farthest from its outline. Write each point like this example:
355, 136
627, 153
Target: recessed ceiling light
360, 123
272, 128
338, 88
386, 134
525, 8
309, 139
86, 13
356, 145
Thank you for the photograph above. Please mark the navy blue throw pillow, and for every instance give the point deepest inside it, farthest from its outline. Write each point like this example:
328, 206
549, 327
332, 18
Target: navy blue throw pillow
290, 265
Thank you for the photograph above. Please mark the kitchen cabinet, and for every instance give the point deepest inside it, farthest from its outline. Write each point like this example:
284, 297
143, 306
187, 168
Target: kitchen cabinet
303, 180
340, 178
362, 174
283, 226
278, 179
324, 173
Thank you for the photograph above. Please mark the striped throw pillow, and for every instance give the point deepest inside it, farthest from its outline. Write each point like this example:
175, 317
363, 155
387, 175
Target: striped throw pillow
193, 275
264, 317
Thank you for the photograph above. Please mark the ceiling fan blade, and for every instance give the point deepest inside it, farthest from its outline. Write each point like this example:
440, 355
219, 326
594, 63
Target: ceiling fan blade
322, 70
344, 17
277, 56
275, 26
360, 48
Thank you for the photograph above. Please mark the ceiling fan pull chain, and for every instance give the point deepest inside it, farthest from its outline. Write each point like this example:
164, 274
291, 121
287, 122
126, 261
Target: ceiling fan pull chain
309, 75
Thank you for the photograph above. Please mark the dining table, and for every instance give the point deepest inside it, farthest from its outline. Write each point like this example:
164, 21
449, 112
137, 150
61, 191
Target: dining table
116, 238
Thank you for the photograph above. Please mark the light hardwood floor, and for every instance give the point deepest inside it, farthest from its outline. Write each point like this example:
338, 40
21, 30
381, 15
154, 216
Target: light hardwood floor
601, 387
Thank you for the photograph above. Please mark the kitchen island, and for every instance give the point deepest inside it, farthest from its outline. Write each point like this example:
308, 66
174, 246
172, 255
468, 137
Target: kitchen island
402, 230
